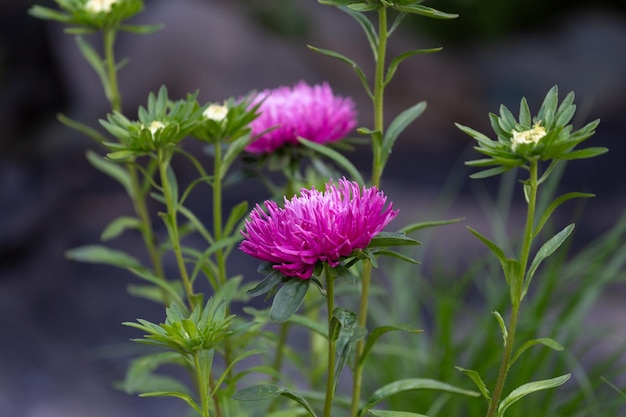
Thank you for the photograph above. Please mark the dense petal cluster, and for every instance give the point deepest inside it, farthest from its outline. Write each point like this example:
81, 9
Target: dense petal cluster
310, 112
316, 227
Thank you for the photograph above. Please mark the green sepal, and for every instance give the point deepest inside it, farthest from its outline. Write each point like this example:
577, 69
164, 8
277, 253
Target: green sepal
288, 299
267, 392
522, 391
141, 29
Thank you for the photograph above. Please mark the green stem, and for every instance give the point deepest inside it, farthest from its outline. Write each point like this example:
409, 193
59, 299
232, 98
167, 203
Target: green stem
136, 194
379, 90
217, 212
516, 293
173, 228
330, 307
112, 91
203, 387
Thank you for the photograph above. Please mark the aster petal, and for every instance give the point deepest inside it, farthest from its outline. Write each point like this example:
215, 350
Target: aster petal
311, 112
316, 227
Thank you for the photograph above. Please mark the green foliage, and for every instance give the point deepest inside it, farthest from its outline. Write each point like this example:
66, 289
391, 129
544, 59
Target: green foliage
553, 138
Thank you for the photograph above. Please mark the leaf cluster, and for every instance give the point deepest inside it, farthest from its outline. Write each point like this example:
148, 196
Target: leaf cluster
83, 21
188, 333
557, 144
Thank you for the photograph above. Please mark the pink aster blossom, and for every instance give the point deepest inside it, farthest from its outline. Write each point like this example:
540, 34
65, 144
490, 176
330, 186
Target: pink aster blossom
316, 227
313, 113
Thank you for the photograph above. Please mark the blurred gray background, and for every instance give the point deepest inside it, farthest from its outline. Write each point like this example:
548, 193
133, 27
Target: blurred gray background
61, 342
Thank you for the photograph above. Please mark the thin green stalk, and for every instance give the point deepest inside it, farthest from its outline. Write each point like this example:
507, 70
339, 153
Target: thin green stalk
517, 293
379, 90
203, 387
137, 196
173, 229
330, 306
112, 92
217, 212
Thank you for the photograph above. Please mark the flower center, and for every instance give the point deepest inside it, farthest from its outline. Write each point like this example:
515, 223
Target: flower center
533, 136
99, 6
216, 112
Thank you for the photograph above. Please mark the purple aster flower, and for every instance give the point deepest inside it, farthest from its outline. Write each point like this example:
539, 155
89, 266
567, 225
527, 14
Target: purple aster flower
316, 227
313, 113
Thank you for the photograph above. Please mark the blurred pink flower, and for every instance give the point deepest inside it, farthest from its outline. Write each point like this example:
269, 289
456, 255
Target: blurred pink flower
313, 113
316, 227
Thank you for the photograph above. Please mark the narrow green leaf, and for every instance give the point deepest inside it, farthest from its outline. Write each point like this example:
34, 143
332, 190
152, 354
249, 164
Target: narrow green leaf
423, 225
81, 127
490, 172
377, 333
288, 299
268, 283
41, 12
185, 397
492, 246
390, 413
368, 28
347, 334
170, 288
505, 332
584, 153
519, 393
475, 377
118, 226
267, 392
102, 255
546, 341
336, 157
233, 151
546, 250
394, 254
141, 29
348, 61
425, 11
393, 65
235, 216
124, 155
397, 126
112, 169
140, 376
94, 60
404, 385
556, 203
525, 118
387, 239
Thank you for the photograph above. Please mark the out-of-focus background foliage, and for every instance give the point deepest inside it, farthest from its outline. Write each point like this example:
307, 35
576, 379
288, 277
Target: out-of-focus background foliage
61, 342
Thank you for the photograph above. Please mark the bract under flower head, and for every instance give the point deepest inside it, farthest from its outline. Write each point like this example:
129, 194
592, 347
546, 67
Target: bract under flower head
316, 227
310, 112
